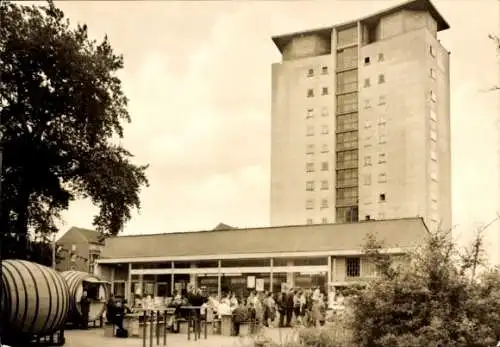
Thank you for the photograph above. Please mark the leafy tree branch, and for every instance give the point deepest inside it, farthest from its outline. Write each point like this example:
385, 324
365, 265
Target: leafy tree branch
61, 103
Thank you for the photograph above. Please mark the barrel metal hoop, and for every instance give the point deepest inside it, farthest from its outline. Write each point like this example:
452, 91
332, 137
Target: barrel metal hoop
27, 266
49, 290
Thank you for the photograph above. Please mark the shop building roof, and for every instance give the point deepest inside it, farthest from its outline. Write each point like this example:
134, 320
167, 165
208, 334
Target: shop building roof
395, 233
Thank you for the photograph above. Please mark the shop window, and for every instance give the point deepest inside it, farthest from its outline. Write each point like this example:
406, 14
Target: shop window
245, 262
353, 267
305, 261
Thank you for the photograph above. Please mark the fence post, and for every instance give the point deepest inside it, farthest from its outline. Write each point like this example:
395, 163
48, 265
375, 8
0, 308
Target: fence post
158, 322
189, 325
196, 324
144, 329
205, 326
151, 322
165, 328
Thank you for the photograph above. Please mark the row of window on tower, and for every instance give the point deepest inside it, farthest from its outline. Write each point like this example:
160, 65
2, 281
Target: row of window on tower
324, 91
310, 204
381, 80
433, 144
324, 71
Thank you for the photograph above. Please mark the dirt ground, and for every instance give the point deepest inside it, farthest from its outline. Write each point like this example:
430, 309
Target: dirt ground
95, 338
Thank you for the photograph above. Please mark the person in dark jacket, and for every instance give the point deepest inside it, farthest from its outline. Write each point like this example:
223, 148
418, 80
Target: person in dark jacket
281, 303
119, 315
119, 311
240, 315
289, 307
110, 306
196, 299
84, 309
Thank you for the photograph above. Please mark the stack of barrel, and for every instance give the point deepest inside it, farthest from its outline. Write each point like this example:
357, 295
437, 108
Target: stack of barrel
35, 301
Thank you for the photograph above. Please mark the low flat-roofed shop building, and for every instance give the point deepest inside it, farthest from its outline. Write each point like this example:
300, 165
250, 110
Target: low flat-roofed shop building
262, 258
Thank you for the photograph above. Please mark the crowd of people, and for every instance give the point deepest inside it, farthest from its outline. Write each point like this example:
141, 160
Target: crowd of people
291, 307
285, 309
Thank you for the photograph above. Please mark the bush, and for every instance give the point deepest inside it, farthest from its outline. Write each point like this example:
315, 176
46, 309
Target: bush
329, 336
435, 301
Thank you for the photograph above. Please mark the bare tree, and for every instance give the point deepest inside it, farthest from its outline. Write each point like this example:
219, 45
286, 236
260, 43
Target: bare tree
475, 256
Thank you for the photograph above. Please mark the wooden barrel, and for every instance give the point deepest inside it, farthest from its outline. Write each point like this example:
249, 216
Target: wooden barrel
35, 299
98, 293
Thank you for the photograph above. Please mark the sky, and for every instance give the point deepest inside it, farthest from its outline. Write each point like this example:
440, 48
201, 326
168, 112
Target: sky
198, 76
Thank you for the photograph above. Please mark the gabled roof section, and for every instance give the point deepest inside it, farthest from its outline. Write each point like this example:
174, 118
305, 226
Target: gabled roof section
222, 226
89, 235
397, 233
412, 5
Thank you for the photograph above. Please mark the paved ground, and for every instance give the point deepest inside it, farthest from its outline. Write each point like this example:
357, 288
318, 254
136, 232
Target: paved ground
95, 338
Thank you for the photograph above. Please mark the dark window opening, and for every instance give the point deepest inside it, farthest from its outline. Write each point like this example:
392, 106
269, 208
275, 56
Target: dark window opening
382, 197
352, 215
353, 267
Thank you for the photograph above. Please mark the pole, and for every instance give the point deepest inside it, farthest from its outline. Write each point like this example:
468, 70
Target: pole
496, 40
2, 233
53, 252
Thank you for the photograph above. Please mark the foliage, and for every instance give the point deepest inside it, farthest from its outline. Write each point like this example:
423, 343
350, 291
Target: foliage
40, 251
329, 336
61, 106
436, 299
431, 301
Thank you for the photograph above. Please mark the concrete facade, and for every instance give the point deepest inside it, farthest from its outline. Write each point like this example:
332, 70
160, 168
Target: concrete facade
361, 121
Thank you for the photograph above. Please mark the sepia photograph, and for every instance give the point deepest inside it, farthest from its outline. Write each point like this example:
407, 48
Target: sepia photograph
253, 173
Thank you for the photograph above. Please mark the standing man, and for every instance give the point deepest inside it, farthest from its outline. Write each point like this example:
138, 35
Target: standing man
85, 308
110, 307
289, 307
281, 302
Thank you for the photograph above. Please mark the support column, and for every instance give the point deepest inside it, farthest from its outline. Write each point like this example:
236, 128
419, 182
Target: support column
193, 278
329, 286
271, 276
334, 269
155, 287
329, 278
172, 279
128, 294
112, 280
290, 276
141, 285
219, 279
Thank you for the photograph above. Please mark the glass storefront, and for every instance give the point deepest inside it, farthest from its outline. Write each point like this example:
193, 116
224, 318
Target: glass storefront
243, 284
240, 283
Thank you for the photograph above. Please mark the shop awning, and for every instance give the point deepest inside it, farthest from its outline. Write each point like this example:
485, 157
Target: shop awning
95, 280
